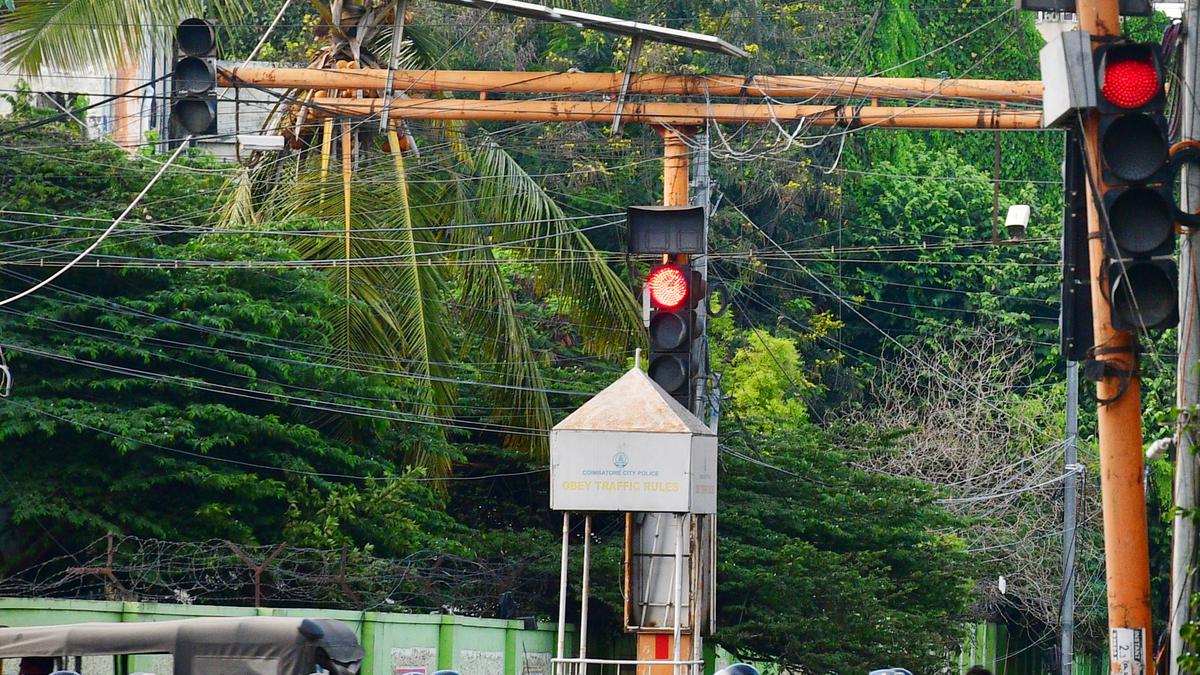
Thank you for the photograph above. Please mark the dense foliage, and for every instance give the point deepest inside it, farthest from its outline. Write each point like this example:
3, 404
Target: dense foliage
190, 403
208, 401
213, 401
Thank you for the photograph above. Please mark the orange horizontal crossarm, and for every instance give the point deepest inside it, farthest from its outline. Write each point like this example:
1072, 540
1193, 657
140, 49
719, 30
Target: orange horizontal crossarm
684, 114
646, 84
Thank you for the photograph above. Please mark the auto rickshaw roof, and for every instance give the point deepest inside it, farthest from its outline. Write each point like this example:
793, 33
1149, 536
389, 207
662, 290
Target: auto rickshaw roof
291, 641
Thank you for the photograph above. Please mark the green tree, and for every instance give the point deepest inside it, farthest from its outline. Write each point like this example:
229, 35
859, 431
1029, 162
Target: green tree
825, 568
185, 403
756, 383
189, 405
918, 260
376, 206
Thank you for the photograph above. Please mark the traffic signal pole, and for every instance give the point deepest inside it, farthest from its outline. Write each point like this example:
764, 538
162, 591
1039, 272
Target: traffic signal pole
656, 645
1119, 423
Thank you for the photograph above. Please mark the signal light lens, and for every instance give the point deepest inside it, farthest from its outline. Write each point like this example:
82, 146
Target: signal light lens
195, 115
195, 37
1131, 82
1143, 295
1133, 147
670, 372
668, 286
1141, 221
668, 331
194, 76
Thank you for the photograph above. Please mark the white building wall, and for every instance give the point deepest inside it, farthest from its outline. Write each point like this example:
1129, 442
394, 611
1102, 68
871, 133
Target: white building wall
1050, 24
130, 120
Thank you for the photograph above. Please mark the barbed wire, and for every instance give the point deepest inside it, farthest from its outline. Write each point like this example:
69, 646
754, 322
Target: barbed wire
282, 575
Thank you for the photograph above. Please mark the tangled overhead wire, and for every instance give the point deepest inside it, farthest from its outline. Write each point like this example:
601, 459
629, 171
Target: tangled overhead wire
222, 572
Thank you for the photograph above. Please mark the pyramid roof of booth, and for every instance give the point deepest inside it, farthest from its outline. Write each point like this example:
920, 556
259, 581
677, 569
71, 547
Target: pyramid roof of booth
634, 403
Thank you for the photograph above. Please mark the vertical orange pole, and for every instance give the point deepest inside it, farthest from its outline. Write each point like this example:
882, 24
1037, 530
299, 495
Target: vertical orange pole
1119, 425
675, 168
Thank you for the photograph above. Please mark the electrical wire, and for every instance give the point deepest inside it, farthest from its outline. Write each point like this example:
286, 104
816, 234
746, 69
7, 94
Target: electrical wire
99, 240
887, 336
319, 358
286, 399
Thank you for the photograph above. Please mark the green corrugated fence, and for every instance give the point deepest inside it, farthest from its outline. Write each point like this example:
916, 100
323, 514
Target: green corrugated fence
994, 647
419, 644
395, 643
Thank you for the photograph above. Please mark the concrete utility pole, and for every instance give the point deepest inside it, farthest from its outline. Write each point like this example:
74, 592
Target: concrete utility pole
1119, 421
1070, 464
1188, 389
702, 196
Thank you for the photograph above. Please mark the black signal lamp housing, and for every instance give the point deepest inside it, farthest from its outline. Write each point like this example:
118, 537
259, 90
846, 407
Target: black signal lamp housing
1141, 222
1144, 295
1134, 148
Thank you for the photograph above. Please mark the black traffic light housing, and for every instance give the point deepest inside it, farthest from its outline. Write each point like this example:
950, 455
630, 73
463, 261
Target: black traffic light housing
194, 79
1136, 190
672, 230
676, 331
674, 290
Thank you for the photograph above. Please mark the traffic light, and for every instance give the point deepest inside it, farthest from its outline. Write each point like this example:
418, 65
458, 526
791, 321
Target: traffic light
673, 291
194, 79
1136, 190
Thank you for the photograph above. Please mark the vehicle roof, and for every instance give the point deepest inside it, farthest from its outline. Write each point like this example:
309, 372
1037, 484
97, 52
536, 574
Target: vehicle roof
258, 637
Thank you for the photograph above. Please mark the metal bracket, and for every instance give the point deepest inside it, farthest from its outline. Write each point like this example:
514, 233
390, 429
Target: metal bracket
1095, 371
645, 306
635, 51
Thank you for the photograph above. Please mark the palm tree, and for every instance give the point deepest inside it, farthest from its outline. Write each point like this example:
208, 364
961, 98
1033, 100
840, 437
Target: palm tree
434, 227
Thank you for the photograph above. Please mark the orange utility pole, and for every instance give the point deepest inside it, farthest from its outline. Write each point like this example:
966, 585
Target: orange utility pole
642, 84
682, 114
1119, 421
675, 166
362, 97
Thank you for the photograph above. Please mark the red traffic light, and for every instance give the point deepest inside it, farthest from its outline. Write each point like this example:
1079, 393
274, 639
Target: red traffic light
1131, 82
668, 286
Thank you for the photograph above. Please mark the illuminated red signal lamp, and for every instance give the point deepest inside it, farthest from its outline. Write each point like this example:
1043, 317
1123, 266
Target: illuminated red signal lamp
668, 286
1131, 82
1129, 78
